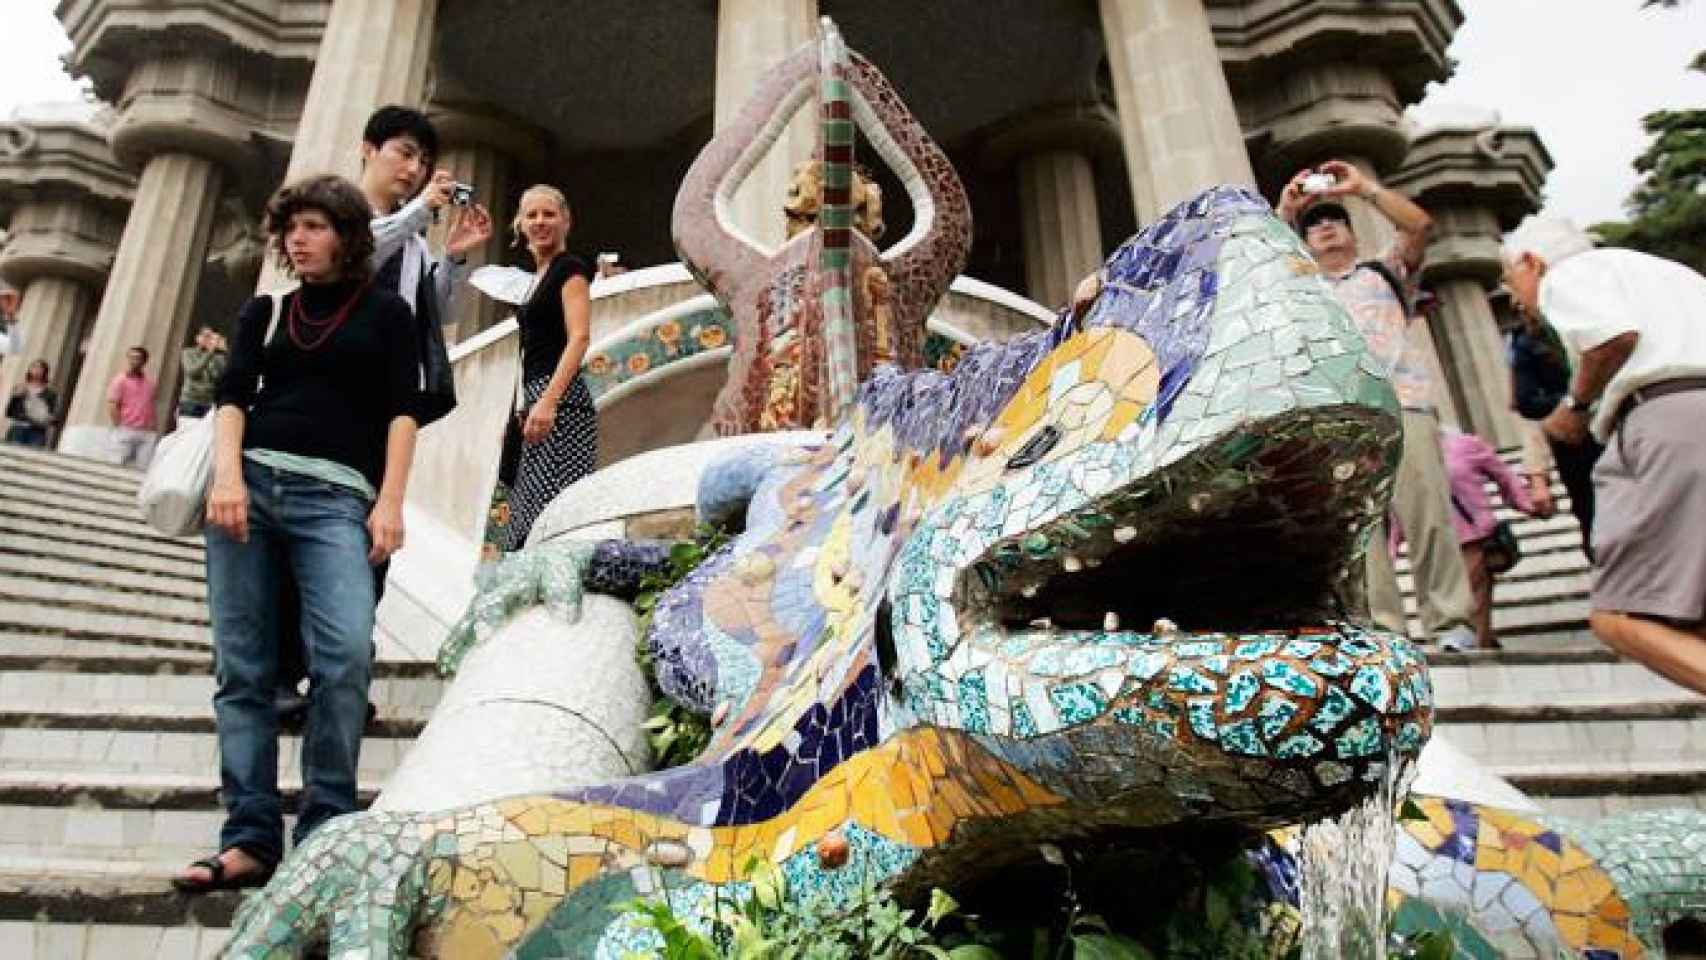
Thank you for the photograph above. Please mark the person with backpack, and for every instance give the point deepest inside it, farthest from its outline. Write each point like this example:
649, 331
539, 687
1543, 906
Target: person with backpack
1377, 294
1540, 380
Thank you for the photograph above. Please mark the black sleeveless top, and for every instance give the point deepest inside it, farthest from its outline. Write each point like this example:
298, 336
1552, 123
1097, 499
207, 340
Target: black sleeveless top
543, 336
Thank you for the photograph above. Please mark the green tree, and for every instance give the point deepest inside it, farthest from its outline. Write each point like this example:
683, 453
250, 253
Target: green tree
1667, 210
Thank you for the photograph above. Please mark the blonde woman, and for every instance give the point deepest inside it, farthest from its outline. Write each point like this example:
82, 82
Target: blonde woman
559, 429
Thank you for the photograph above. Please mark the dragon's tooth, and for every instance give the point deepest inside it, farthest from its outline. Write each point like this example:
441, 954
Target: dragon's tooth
1125, 534
1071, 563
1028, 590
1110, 621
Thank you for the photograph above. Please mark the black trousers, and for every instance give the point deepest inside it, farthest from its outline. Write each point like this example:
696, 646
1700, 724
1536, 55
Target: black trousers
1575, 467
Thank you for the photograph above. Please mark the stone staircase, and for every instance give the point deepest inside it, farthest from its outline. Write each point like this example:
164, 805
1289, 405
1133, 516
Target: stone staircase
1561, 717
108, 763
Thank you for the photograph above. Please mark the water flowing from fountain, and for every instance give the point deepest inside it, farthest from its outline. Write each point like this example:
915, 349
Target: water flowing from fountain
1343, 865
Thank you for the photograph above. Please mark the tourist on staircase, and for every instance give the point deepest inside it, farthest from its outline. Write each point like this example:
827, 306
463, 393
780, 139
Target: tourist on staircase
203, 363
1540, 379
33, 408
1470, 464
130, 403
1377, 294
559, 427
315, 433
1637, 323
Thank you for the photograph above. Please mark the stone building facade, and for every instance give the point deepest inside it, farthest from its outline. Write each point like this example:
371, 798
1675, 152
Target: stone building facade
1071, 121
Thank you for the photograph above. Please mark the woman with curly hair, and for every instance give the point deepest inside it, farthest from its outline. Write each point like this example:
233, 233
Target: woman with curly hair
314, 435
559, 428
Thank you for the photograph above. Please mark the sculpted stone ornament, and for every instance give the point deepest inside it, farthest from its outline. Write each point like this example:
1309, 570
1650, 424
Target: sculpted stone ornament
792, 307
909, 643
914, 652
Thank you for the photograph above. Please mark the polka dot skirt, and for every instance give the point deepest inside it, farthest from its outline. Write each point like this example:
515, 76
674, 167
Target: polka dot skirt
567, 454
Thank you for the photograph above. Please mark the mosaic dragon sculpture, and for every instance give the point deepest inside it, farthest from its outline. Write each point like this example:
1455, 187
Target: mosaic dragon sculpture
917, 642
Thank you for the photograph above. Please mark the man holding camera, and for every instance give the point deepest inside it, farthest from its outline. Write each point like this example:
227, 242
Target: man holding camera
1378, 293
399, 146
202, 365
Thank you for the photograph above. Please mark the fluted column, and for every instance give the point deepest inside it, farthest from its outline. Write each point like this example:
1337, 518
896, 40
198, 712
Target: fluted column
53, 316
752, 37
1178, 125
150, 292
1478, 361
490, 150
1062, 233
373, 52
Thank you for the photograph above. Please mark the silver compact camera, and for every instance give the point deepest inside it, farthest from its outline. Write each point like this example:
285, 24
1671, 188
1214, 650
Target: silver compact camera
1317, 183
461, 194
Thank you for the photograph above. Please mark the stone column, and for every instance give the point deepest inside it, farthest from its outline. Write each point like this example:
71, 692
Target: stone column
486, 148
1178, 124
1478, 361
150, 292
752, 37
54, 314
1062, 233
373, 52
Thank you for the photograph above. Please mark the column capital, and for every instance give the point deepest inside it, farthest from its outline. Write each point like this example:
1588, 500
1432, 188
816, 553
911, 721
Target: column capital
206, 104
64, 197
1316, 79
1478, 181
1090, 129
110, 38
1262, 40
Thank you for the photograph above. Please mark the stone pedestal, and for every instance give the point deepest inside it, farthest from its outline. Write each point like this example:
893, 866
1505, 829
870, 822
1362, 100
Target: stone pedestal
55, 312
1063, 236
150, 292
752, 37
1476, 354
1177, 121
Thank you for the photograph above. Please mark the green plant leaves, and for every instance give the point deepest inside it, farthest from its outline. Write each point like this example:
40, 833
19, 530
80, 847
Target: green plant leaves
1107, 946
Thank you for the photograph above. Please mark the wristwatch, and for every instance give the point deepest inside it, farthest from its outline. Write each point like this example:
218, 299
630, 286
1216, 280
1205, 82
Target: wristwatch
1576, 406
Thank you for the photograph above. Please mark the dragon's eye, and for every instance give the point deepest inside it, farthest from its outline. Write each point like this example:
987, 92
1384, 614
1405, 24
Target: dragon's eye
1035, 448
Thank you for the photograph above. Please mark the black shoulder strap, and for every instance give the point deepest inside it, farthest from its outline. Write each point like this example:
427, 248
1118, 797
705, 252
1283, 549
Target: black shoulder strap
1380, 267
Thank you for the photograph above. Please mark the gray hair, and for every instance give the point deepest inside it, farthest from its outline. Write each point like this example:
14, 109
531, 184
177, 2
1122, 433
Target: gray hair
1551, 239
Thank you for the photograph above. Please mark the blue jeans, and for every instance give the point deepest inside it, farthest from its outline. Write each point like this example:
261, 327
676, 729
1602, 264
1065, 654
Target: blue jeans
315, 532
27, 434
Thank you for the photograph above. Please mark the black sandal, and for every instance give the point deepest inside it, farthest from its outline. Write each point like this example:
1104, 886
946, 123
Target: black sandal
217, 879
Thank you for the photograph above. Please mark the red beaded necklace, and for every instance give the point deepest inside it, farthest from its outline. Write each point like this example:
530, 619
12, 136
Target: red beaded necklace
310, 333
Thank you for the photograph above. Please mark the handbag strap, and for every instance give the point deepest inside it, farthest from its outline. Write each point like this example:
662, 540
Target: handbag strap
266, 341
1461, 511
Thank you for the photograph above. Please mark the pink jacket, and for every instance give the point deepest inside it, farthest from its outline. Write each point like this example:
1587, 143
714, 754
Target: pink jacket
1469, 463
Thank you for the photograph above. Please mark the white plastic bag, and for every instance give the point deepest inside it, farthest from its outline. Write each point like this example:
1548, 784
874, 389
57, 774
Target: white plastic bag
173, 495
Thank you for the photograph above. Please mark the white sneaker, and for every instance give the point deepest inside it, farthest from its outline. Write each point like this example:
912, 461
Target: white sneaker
1457, 640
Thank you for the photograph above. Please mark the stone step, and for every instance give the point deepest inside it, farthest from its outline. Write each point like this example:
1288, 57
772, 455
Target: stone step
96, 941
40, 651
1615, 736
125, 892
29, 616
1516, 679
174, 699
1593, 778
95, 753
85, 471
59, 716
110, 599
13, 521
72, 523
1592, 808
99, 556
135, 585
46, 488
139, 791
1564, 540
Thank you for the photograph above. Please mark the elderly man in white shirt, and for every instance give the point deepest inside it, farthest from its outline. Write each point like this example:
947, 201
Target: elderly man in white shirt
1638, 324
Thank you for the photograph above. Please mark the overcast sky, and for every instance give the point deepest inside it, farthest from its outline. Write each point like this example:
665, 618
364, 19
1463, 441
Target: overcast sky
1582, 72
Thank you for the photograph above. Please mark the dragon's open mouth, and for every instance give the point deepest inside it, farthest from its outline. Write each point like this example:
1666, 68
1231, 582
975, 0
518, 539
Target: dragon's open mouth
1246, 536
